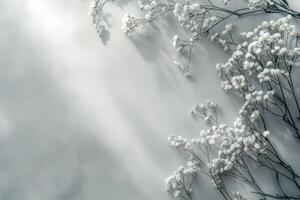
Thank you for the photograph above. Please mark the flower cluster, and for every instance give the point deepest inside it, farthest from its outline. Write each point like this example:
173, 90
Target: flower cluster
270, 73
129, 24
152, 8
198, 18
179, 142
260, 68
259, 96
175, 183
231, 143
259, 3
180, 182
188, 15
236, 82
222, 146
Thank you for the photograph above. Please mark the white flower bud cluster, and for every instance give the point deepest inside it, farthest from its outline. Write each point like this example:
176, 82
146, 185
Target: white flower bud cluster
175, 183
270, 73
147, 4
188, 14
184, 14
129, 24
235, 82
258, 3
232, 143
179, 183
194, 18
180, 142
259, 96
205, 112
210, 136
248, 112
227, 144
263, 58
152, 8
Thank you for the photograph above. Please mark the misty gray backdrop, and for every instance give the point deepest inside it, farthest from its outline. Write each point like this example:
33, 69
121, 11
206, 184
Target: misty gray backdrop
83, 117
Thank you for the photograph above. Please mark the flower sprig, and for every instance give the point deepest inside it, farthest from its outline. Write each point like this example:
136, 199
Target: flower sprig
181, 181
199, 18
224, 152
261, 67
259, 70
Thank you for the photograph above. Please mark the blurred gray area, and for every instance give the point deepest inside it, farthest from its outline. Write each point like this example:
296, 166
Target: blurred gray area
83, 118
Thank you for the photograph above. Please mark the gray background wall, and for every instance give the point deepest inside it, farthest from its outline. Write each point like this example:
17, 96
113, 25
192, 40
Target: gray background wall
85, 118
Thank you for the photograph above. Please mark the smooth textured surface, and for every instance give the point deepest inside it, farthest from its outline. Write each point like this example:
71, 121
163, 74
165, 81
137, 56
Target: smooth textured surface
85, 118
